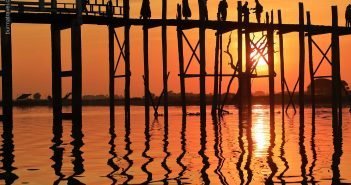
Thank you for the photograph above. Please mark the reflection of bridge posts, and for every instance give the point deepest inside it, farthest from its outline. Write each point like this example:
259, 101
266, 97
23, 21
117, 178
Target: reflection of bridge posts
6, 73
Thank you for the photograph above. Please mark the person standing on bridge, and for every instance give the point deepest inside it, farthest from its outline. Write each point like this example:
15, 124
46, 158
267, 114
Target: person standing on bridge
348, 16
109, 8
84, 6
145, 11
186, 9
246, 12
258, 11
222, 10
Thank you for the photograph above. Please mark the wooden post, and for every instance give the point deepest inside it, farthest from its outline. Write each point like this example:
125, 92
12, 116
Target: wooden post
282, 68
6, 63
336, 81
111, 52
215, 83
127, 60
220, 73
240, 59
146, 71
181, 69
247, 77
310, 61
76, 73
56, 72
301, 63
202, 38
164, 58
270, 42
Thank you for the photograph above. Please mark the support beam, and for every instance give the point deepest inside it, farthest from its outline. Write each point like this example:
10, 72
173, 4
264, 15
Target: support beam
270, 42
56, 73
311, 70
301, 63
181, 69
127, 71
336, 80
248, 66
240, 59
164, 58
146, 71
282, 67
111, 52
76, 73
202, 39
215, 83
6, 63
127, 60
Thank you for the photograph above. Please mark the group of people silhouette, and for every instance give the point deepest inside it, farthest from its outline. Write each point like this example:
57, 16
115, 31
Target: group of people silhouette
185, 11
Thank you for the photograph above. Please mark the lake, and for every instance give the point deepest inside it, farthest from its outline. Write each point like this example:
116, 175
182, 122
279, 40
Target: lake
249, 149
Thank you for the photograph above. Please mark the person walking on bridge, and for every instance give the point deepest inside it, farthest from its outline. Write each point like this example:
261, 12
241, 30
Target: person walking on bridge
258, 11
145, 11
186, 9
348, 16
222, 10
246, 12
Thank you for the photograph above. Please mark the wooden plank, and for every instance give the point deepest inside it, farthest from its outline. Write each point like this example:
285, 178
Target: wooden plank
66, 74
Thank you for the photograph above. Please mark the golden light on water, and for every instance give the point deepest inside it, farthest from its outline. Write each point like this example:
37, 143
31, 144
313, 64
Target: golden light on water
260, 134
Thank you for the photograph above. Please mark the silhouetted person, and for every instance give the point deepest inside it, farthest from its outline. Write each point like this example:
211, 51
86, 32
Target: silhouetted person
222, 10
186, 9
258, 11
179, 11
109, 8
145, 12
203, 9
348, 16
246, 12
84, 6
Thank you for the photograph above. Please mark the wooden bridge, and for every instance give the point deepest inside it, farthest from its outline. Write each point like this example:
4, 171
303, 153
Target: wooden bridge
116, 15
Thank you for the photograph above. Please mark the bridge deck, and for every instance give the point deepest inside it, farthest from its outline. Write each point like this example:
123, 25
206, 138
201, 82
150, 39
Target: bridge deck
223, 26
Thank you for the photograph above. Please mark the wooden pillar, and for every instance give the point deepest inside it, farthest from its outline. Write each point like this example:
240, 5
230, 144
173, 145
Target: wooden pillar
240, 60
311, 70
127, 60
111, 52
247, 77
282, 68
164, 58
56, 72
336, 80
6, 63
202, 38
76, 72
181, 69
270, 42
146, 70
220, 73
301, 63
215, 83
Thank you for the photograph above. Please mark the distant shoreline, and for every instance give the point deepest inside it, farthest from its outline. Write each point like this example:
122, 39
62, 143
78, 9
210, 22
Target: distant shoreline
176, 101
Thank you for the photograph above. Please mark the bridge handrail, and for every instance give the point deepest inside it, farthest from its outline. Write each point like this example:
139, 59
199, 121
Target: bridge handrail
94, 8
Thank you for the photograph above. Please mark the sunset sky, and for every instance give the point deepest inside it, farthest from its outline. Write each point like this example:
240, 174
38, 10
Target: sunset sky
32, 54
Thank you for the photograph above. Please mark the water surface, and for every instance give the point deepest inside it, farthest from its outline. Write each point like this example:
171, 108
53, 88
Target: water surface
233, 150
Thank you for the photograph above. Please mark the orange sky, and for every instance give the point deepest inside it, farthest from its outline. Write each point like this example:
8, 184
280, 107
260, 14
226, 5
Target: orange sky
32, 54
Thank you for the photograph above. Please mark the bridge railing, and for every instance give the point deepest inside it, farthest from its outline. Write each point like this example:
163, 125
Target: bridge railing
93, 7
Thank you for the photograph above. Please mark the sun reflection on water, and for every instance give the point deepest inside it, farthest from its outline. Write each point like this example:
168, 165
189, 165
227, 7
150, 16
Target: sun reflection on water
260, 133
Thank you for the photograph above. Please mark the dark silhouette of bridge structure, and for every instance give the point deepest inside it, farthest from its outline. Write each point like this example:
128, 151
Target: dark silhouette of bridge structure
116, 16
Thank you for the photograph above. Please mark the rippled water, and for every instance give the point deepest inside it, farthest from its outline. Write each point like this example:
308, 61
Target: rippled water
249, 150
